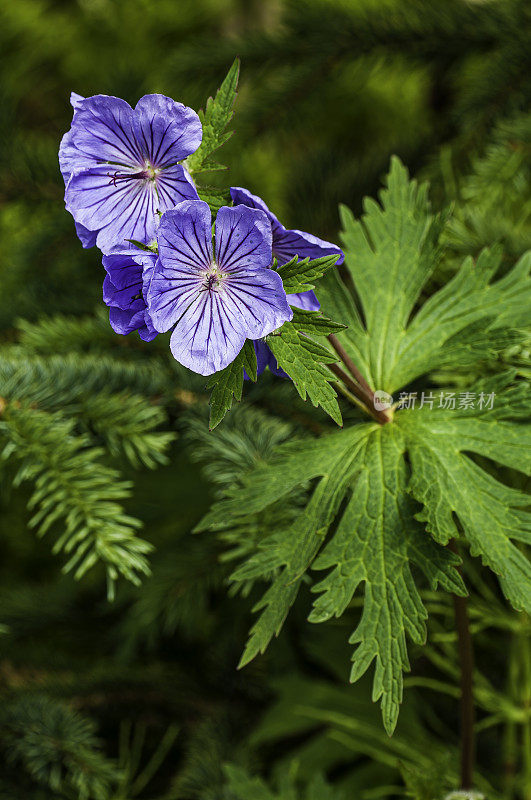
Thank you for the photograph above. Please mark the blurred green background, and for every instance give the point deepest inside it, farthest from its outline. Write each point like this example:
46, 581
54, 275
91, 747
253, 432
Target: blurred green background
329, 90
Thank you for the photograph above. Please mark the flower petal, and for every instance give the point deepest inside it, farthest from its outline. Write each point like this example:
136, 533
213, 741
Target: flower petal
243, 239
75, 99
125, 322
265, 358
287, 244
167, 131
185, 254
103, 128
213, 327
306, 300
86, 237
259, 300
209, 335
119, 210
174, 185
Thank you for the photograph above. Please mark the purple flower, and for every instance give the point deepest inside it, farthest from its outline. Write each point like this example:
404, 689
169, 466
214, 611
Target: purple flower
289, 243
124, 288
120, 165
214, 299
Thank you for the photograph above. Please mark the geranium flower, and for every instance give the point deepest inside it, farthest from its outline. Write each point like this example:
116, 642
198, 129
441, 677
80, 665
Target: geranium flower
120, 165
124, 288
289, 243
214, 298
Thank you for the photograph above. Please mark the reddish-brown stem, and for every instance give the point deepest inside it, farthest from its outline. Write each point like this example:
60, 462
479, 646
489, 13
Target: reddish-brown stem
361, 394
359, 386
350, 365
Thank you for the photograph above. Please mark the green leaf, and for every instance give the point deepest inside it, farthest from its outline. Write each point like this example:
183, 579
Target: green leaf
214, 119
376, 540
243, 786
450, 486
389, 497
314, 322
300, 276
228, 383
304, 361
141, 246
214, 197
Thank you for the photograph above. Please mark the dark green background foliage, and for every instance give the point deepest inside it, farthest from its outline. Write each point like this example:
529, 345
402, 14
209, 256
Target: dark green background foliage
140, 697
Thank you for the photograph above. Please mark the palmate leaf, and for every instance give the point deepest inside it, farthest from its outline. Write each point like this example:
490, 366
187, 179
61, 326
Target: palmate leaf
408, 487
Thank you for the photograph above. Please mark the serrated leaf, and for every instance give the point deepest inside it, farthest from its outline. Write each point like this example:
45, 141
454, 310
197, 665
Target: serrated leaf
227, 384
407, 488
303, 360
214, 197
314, 322
214, 119
450, 485
300, 276
376, 539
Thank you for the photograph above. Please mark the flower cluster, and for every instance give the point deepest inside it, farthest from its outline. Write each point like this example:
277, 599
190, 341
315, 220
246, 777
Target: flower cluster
126, 184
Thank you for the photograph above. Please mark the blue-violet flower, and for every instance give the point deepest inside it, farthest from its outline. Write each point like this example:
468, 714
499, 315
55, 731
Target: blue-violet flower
124, 288
121, 165
290, 243
214, 298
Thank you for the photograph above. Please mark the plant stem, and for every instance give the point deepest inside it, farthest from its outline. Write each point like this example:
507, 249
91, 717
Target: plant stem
466, 660
350, 365
358, 392
359, 386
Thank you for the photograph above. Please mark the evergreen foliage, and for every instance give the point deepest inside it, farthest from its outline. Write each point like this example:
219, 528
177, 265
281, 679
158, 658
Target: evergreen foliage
101, 435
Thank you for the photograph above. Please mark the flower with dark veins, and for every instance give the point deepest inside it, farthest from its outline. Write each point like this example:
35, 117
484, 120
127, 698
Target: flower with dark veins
214, 295
121, 166
286, 244
124, 288
289, 243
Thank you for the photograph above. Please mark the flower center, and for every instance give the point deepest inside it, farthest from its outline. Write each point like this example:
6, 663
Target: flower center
213, 279
149, 173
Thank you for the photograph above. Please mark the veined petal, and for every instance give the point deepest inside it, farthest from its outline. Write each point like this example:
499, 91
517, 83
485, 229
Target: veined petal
167, 131
243, 239
185, 255
244, 197
259, 300
125, 298
118, 210
184, 237
174, 185
70, 158
287, 244
214, 326
306, 300
103, 128
209, 335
